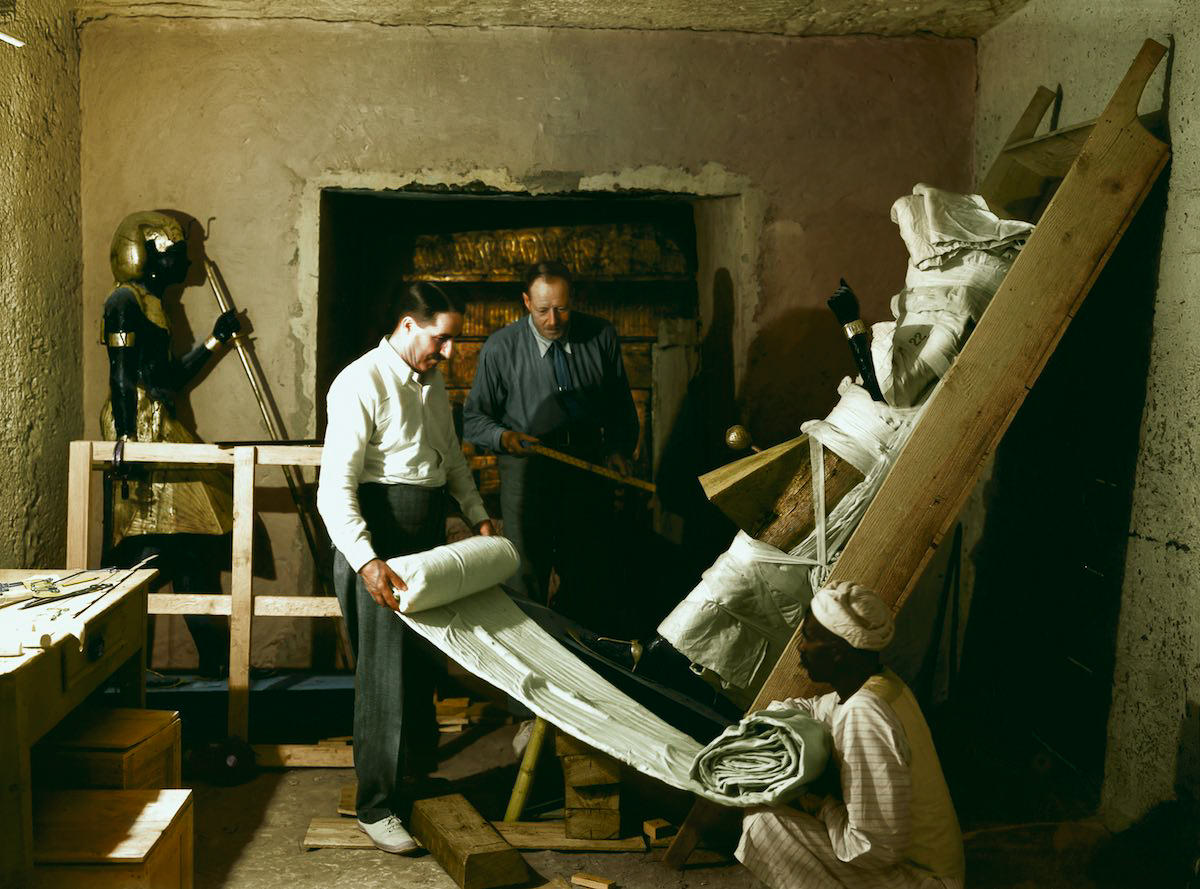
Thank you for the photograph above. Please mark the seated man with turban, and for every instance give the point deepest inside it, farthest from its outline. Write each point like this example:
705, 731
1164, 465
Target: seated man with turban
892, 824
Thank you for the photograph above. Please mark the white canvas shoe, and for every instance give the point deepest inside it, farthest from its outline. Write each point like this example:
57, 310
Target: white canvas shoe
389, 835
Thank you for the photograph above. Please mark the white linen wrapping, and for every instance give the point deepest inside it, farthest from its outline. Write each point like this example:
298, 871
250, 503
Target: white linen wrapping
446, 573
767, 758
491, 637
739, 617
937, 225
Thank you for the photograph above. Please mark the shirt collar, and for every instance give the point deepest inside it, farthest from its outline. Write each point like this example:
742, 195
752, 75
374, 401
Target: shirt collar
401, 367
543, 344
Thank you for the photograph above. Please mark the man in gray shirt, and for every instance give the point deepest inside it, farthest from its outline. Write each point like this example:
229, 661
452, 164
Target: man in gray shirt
555, 376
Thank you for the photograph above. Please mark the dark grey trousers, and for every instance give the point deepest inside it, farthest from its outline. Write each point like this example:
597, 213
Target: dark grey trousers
395, 729
558, 517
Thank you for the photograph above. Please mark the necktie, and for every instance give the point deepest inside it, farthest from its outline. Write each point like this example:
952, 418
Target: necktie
562, 376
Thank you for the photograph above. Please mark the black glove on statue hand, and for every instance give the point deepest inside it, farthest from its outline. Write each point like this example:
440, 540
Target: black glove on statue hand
227, 325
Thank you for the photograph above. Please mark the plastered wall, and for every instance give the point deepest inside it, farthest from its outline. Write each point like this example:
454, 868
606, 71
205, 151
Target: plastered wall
39, 279
1086, 46
243, 123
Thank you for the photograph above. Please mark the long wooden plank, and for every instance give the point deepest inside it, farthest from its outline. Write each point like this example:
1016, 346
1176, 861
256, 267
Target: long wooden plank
976, 400
300, 756
465, 845
242, 592
202, 453
79, 503
335, 833
264, 606
551, 836
1009, 188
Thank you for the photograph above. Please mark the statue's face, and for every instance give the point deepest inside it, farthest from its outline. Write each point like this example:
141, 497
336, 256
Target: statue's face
166, 266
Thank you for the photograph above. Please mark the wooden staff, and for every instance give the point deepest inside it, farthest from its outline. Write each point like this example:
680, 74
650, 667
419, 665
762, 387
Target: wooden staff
591, 467
270, 415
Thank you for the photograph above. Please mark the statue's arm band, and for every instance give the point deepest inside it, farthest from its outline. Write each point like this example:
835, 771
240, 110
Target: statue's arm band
122, 339
854, 328
212, 344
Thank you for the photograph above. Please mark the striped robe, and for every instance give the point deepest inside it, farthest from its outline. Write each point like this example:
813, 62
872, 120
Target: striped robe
862, 840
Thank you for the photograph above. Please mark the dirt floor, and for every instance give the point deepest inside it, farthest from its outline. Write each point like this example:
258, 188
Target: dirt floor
250, 836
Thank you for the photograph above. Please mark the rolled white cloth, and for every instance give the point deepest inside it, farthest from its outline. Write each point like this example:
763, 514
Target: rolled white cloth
447, 573
765, 759
856, 614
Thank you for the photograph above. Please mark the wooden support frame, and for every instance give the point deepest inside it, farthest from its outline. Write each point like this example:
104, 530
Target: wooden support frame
242, 606
975, 401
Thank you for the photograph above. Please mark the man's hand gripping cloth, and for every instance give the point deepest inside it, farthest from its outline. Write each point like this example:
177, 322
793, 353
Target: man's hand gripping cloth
447, 573
485, 632
765, 759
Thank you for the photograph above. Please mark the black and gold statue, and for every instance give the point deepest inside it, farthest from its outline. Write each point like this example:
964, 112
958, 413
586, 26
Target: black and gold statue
177, 513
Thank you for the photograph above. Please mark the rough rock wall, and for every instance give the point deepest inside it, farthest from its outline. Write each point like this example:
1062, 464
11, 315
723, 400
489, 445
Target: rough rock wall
39, 279
1086, 46
946, 18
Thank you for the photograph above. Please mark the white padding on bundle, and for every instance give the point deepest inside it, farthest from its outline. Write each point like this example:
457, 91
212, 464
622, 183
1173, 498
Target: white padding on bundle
937, 225
767, 758
494, 639
859, 430
447, 573
935, 313
728, 622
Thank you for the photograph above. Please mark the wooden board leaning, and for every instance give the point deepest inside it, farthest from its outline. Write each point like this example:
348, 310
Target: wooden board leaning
974, 403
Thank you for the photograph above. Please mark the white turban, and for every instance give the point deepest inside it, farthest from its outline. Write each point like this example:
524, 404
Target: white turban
856, 614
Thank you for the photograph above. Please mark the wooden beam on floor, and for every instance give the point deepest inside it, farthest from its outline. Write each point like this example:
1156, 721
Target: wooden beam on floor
465, 844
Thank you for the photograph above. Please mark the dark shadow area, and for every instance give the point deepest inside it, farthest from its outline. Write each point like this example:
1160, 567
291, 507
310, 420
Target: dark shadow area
792, 373
1024, 738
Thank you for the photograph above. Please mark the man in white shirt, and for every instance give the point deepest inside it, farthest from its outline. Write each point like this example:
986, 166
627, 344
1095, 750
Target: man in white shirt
391, 455
889, 823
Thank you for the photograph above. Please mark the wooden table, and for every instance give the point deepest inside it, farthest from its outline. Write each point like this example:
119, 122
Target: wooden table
64, 660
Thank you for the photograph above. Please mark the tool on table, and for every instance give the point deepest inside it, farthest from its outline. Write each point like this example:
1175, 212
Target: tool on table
591, 467
54, 594
39, 584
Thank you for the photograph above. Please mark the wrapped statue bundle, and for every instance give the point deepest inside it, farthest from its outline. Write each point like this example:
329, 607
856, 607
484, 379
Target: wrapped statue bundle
806, 496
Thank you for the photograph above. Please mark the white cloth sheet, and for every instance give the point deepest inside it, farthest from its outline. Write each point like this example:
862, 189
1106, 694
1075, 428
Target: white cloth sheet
937, 225
768, 757
491, 637
740, 616
484, 631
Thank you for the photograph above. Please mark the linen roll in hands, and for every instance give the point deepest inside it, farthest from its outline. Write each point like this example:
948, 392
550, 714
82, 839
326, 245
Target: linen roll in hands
766, 759
448, 573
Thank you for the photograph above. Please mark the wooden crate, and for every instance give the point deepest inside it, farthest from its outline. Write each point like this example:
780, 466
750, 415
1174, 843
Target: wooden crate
120, 748
105, 839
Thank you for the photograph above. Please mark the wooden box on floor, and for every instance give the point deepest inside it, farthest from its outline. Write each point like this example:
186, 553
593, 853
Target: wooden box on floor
118, 748
112, 839
592, 789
